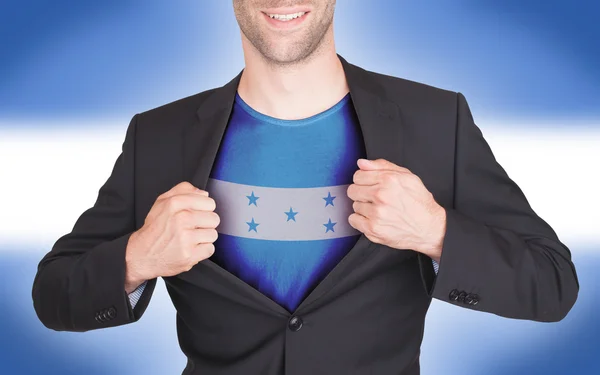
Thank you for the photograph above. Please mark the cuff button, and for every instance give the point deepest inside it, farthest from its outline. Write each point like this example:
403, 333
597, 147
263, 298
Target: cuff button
453, 295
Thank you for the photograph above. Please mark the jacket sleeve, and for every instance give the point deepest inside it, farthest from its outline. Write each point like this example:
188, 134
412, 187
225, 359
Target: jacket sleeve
80, 283
498, 255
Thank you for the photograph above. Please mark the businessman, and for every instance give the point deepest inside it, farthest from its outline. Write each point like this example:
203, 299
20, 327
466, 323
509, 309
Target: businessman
303, 215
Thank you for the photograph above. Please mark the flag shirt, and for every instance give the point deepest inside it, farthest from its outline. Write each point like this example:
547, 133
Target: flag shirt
280, 192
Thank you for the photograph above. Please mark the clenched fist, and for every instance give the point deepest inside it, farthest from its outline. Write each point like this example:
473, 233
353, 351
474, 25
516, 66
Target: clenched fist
178, 232
393, 207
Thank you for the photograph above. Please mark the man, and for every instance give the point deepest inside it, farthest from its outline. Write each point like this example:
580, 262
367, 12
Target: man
298, 215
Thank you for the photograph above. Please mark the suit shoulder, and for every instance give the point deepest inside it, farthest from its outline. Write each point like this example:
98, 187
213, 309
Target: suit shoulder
183, 109
414, 93
390, 81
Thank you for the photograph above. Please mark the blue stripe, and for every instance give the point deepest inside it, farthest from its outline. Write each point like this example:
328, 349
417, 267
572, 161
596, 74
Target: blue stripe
285, 271
267, 153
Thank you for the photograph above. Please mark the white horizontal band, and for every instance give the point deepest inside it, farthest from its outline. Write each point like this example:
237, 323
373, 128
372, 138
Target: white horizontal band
264, 213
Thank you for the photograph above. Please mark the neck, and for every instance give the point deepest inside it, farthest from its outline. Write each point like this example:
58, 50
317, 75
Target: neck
293, 91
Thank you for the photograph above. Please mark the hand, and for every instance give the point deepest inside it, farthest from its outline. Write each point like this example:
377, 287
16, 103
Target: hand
178, 232
393, 207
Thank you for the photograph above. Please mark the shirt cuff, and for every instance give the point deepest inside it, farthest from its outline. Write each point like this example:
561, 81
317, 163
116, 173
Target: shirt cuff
436, 266
134, 296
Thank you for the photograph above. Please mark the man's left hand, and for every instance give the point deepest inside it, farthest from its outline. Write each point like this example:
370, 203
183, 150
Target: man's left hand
392, 207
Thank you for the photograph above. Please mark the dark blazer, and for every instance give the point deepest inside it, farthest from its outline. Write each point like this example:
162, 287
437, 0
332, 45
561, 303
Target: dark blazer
367, 315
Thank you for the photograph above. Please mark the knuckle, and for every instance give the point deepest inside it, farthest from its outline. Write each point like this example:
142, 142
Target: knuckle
379, 194
378, 211
389, 178
205, 236
370, 227
375, 230
182, 218
184, 239
175, 203
413, 179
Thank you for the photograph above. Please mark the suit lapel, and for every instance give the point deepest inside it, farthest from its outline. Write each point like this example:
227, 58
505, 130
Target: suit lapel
382, 133
380, 124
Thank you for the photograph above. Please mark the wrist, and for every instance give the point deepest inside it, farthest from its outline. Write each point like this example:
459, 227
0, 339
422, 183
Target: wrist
134, 276
435, 242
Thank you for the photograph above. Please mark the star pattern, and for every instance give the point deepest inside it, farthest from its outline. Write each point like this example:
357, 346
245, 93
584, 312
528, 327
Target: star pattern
252, 225
252, 199
329, 199
291, 215
329, 226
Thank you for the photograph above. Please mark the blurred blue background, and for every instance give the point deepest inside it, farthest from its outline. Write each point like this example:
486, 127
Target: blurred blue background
72, 74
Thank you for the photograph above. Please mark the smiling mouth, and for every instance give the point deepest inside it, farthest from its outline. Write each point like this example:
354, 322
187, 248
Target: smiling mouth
286, 17
285, 21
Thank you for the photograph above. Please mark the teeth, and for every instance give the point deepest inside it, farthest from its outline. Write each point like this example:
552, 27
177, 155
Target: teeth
286, 17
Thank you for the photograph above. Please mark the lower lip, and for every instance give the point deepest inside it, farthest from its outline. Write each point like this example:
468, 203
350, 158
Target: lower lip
285, 24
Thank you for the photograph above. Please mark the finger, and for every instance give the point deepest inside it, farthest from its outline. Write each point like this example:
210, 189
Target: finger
183, 187
380, 164
364, 209
360, 193
193, 193
358, 222
364, 177
192, 219
204, 235
190, 201
203, 251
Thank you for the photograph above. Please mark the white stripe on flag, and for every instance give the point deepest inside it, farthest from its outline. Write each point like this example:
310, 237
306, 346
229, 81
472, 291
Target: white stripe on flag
313, 212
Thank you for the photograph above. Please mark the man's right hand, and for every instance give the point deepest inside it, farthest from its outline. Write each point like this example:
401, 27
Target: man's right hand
178, 232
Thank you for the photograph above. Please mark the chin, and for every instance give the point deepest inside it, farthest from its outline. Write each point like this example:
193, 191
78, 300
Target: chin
284, 54
284, 58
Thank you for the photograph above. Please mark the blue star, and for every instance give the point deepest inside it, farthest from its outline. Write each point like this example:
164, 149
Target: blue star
252, 225
329, 226
291, 215
329, 199
252, 199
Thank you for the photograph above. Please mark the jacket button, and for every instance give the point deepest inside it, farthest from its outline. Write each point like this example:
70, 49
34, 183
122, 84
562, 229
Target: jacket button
453, 295
112, 312
469, 299
461, 296
295, 323
472, 299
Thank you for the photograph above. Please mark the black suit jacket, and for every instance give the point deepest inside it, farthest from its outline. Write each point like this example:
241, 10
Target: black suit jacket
367, 315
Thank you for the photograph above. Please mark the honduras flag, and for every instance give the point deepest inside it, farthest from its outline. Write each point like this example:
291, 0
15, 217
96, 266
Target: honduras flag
280, 191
